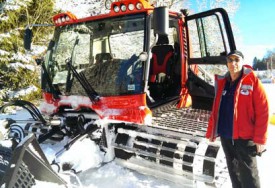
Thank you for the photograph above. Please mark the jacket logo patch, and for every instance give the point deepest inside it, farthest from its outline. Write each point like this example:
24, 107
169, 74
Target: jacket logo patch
244, 92
247, 87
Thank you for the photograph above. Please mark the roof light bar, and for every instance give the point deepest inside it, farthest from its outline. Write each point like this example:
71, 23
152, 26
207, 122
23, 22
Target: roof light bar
64, 18
129, 5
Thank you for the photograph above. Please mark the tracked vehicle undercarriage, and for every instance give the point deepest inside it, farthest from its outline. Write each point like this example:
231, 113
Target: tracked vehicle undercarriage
173, 147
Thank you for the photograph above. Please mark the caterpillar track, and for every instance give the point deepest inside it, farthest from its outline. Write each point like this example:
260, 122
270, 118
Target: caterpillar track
173, 148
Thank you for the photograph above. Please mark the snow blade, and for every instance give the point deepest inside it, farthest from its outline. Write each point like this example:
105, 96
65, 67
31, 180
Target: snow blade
27, 164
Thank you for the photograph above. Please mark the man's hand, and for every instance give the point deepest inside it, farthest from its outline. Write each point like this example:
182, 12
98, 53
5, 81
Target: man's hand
211, 139
260, 149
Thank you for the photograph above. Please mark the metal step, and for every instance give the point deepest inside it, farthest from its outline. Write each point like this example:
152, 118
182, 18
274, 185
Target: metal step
185, 120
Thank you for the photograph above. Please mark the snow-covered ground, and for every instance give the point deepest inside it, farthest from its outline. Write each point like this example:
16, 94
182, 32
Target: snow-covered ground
267, 161
113, 175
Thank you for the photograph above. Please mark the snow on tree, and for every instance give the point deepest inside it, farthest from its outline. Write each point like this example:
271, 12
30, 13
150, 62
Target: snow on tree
82, 8
18, 70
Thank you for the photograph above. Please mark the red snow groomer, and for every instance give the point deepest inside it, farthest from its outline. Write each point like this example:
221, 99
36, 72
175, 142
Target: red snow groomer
138, 81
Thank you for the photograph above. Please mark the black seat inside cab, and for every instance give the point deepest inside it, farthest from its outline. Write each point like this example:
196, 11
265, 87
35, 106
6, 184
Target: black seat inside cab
161, 67
102, 57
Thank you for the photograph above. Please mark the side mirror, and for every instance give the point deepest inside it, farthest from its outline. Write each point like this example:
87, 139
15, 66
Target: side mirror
51, 45
161, 20
27, 39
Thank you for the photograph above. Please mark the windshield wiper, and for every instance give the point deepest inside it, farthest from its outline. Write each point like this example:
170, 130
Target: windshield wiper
92, 94
69, 60
40, 61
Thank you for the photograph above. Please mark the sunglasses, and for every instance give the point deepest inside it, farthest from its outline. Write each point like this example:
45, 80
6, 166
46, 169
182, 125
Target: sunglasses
230, 60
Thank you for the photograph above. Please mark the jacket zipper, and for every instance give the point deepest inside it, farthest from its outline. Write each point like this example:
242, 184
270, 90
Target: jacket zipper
237, 88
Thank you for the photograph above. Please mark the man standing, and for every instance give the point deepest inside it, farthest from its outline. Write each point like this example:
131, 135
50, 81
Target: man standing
240, 117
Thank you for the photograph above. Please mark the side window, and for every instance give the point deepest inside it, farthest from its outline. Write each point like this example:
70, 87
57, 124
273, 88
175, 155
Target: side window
210, 37
206, 36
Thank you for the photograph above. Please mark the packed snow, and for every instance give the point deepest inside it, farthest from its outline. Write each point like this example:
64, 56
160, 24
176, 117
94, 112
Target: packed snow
96, 172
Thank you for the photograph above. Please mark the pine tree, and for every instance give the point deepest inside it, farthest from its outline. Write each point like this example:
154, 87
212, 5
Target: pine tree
18, 69
254, 64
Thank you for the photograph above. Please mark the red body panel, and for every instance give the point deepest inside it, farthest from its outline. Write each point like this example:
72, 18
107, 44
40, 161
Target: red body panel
130, 108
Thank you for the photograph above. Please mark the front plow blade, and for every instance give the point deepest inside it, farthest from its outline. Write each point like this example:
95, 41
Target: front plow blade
27, 164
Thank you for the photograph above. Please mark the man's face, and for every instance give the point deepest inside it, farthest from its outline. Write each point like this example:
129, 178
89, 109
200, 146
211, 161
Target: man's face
234, 63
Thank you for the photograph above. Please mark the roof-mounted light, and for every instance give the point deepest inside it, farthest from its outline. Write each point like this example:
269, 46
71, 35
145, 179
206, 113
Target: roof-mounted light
64, 17
59, 21
116, 8
139, 6
123, 8
67, 18
131, 6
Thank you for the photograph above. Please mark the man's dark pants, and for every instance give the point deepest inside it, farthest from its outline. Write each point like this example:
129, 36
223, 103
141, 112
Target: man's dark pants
241, 162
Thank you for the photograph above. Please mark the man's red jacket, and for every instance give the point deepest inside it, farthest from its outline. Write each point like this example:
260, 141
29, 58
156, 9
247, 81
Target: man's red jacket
251, 110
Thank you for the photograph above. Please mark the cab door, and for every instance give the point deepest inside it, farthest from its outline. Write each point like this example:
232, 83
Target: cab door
210, 38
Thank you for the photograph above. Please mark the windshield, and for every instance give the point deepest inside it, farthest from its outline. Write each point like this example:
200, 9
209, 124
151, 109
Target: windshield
105, 52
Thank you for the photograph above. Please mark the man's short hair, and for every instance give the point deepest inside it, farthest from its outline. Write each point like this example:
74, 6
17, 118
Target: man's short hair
235, 52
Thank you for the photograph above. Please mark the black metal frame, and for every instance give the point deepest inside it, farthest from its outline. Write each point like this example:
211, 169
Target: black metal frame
213, 59
29, 163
